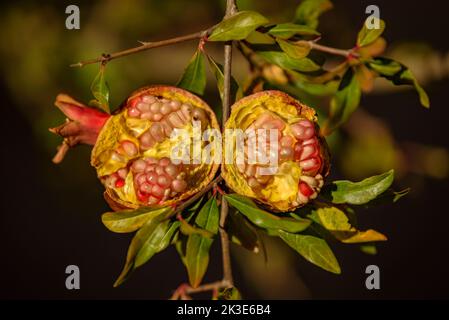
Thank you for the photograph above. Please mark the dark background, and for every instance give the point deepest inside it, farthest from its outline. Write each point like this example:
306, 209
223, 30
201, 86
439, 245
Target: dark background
50, 214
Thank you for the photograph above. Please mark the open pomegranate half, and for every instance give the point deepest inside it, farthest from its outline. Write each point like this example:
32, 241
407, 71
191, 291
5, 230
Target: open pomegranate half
132, 147
300, 152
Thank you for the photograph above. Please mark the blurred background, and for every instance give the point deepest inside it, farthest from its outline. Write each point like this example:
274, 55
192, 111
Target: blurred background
50, 214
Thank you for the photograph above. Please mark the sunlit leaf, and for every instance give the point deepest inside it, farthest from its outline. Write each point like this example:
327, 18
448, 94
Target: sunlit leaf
282, 60
295, 50
367, 36
159, 240
308, 12
313, 249
140, 240
344, 191
131, 220
288, 30
194, 77
100, 90
197, 251
264, 219
187, 229
238, 26
337, 223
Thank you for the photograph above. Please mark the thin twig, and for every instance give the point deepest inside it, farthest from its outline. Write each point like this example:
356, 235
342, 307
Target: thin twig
184, 289
335, 51
145, 46
231, 9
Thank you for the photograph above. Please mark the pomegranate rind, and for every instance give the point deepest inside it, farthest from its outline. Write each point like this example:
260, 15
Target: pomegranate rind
280, 194
120, 127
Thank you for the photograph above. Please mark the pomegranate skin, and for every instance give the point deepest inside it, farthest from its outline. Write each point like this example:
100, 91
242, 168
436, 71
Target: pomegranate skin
135, 141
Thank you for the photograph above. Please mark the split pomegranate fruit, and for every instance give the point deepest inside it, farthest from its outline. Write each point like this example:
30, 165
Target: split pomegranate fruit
132, 147
279, 128
280, 160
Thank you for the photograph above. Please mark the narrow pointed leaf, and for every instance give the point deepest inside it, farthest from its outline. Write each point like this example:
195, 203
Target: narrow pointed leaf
367, 36
194, 77
217, 69
130, 220
241, 232
344, 191
282, 60
313, 249
257, 37
288, 30
197, 251
137, 243
264, 219
337, 223
238, 26
308, 12
398, 74
100, 90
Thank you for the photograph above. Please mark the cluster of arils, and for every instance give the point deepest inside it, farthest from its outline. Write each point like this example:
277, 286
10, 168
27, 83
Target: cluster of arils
132, 147
165, 116
300, 144
299, 151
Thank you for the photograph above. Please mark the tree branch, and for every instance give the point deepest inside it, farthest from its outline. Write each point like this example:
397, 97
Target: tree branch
145, 46
231, 9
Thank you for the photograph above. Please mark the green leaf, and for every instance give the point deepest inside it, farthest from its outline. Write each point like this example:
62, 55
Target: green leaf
131, 220
241, 232
308, 12
407, 77
318, 89
337, 223
288, 30
385, 67
194, 77
367, 36
345, 101
398, 74
389, 196
197, 251
282, 60
217, 69
368, 249
295, 50
264, 219
257, 37
158, 241
344, 191
100, 90
140, 240
187, 229
313, 249
229, 294
238, 26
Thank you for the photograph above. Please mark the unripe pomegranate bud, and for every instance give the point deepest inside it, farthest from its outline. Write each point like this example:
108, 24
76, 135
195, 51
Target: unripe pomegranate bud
288, 171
